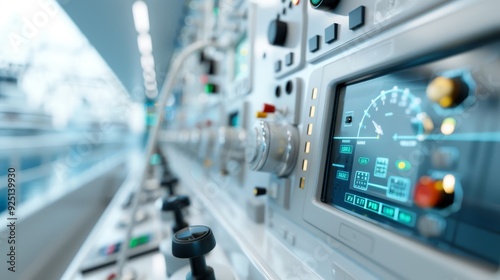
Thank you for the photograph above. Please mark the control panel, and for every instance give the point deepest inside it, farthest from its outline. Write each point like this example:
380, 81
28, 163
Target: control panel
335, 139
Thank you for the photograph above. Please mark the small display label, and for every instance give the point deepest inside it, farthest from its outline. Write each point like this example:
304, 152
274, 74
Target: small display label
346, 149
343, 175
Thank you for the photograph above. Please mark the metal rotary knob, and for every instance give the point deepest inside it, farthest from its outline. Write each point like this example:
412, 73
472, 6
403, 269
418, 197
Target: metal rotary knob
272, 147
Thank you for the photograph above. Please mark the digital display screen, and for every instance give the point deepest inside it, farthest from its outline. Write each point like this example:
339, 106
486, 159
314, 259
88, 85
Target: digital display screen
375, 137
422, 166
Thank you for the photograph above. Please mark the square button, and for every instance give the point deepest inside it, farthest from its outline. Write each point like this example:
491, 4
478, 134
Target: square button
314, 43
289, 59
357, 18
277, 66
331, 33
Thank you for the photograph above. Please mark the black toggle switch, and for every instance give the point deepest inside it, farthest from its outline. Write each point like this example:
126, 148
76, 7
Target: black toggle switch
194, 243
176, 204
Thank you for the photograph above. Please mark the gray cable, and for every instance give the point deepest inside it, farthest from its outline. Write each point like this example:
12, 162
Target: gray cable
153, 136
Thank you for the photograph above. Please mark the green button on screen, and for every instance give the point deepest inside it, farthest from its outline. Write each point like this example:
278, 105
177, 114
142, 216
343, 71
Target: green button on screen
315, 2
349, 198
405, 217
388, 211
373, 205
360, 201
363, 160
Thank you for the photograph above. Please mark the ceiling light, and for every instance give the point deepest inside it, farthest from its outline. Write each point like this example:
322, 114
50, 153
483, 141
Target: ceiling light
141, 16
145, 44
147, 61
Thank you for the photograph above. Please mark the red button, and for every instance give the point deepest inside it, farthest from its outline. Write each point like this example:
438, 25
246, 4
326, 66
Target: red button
268, 108
428, 192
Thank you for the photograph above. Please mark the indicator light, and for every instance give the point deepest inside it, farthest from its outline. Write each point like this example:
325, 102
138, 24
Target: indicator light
449, 184
403, 165
211, 88
296, 2
448, 126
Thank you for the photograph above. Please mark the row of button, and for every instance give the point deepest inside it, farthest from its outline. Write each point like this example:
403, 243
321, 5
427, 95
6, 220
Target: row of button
288, 62
395, 213
356, 20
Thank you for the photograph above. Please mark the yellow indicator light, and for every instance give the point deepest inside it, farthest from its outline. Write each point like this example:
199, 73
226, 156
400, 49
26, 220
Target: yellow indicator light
312, 111
449, 184
302, 184
261, 115
403, 165
310, 129
296, 2
304, 165
307, 149
448, 126
314, 93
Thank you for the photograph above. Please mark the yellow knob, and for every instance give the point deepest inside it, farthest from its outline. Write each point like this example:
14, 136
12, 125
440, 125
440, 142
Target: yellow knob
444, 91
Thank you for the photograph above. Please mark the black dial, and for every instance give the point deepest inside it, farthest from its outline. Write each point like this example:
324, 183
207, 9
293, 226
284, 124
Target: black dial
324, 4
277, 32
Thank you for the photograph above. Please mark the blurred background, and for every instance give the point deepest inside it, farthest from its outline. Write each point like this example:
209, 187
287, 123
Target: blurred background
78, 82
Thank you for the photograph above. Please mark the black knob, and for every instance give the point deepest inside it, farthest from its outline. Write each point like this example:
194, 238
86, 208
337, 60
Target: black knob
176, 204
324, 4
277, 32
194, 242
169, 182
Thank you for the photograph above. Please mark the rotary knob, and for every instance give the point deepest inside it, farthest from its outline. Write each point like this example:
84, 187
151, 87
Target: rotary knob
272, 147
230, 147
447, 92
277, 32
324, 4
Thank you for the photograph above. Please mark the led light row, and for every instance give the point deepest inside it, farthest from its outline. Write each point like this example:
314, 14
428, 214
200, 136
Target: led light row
307, 147
145, 45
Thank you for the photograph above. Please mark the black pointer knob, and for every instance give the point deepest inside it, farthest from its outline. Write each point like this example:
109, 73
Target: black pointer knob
169, 182
325, 5
277, 32
176, 204
195, 242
